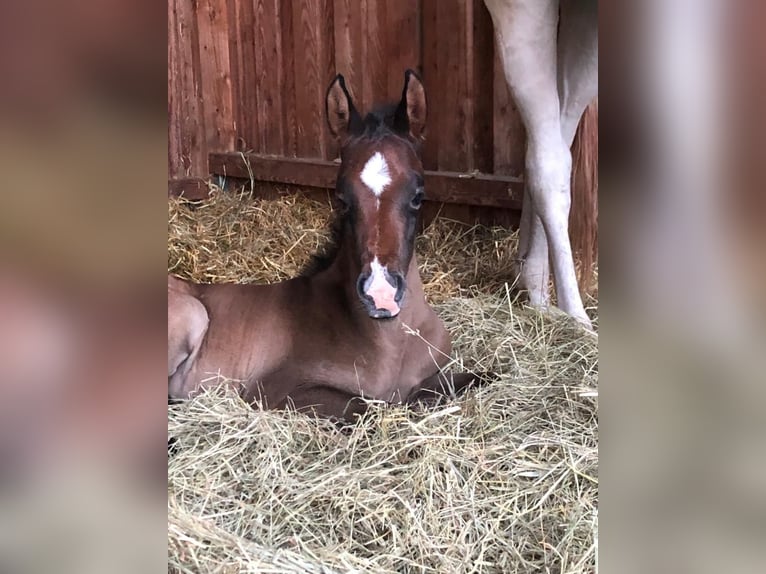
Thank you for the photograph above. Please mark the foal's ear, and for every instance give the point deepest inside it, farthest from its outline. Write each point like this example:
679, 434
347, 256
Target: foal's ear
342, 116
410, 115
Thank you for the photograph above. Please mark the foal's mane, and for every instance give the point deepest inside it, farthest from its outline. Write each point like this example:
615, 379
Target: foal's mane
377, 124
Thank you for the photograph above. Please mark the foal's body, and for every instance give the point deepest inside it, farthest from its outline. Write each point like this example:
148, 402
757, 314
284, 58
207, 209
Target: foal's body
344, 329
308, 338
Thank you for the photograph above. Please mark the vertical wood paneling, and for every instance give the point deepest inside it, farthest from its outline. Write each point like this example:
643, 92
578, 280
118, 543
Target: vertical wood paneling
252, 74
175, 166
402, 44
313, 53
263, 66
374, 81
348, 30
288, 96
481, 72
432, 82
269, 79
243, 73
453, 86
187, 144
233, 47
328, 72
457, 56
215, 72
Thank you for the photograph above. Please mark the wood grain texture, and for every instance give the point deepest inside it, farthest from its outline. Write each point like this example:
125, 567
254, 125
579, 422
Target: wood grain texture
453, 91
189, 188
374, 50
252, 74
242, 45
313, 59
328, 72
270, 77
175, 165
431, 81
442, 186
289, 114
187, 146
481, 81
402, 44
348, 31
215, 72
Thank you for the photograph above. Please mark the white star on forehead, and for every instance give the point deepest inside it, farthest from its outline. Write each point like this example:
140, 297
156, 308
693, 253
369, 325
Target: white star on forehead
375, 174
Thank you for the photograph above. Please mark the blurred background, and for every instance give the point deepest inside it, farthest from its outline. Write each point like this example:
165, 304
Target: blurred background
82, 301
83, 236
681, 286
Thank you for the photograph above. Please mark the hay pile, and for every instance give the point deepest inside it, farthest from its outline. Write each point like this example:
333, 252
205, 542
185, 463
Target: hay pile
501, 480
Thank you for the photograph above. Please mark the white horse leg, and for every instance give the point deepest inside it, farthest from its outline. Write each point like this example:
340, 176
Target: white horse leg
577, 62
534, 269
577, 87
527, 41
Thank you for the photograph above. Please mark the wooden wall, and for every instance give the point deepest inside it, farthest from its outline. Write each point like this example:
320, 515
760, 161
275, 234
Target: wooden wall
251, 75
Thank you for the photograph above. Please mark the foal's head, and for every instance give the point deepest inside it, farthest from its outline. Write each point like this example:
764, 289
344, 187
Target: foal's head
380, 184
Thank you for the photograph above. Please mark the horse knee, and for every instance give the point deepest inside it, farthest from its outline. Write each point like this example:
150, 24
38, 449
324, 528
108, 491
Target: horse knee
548, 180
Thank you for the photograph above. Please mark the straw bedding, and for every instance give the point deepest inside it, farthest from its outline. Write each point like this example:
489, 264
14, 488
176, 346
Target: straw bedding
503, 479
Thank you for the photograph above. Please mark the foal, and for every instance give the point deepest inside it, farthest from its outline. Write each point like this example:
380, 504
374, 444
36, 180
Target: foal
337, 333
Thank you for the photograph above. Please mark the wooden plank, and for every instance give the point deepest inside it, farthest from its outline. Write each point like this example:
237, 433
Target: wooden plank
481, 81
474, 189
187, 150
269, 64
191, 188
242, 46
294, 171
402, 44
212, 21
233, 49
453, 92
175, 166
448, 187
312, 51
195, 96
289, 119
348, 32
478, 95
431, 80
327, 74
374, 46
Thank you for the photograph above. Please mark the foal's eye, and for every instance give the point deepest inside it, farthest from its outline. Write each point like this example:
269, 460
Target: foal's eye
417, 199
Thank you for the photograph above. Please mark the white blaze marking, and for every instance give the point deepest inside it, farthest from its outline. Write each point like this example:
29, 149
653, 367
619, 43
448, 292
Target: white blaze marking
377, 271
377, 275
375, 174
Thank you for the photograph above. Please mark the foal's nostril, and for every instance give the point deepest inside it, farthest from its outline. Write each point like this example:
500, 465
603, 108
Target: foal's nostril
360, 284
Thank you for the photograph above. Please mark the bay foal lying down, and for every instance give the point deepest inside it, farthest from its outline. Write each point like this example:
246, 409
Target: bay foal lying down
337, 332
